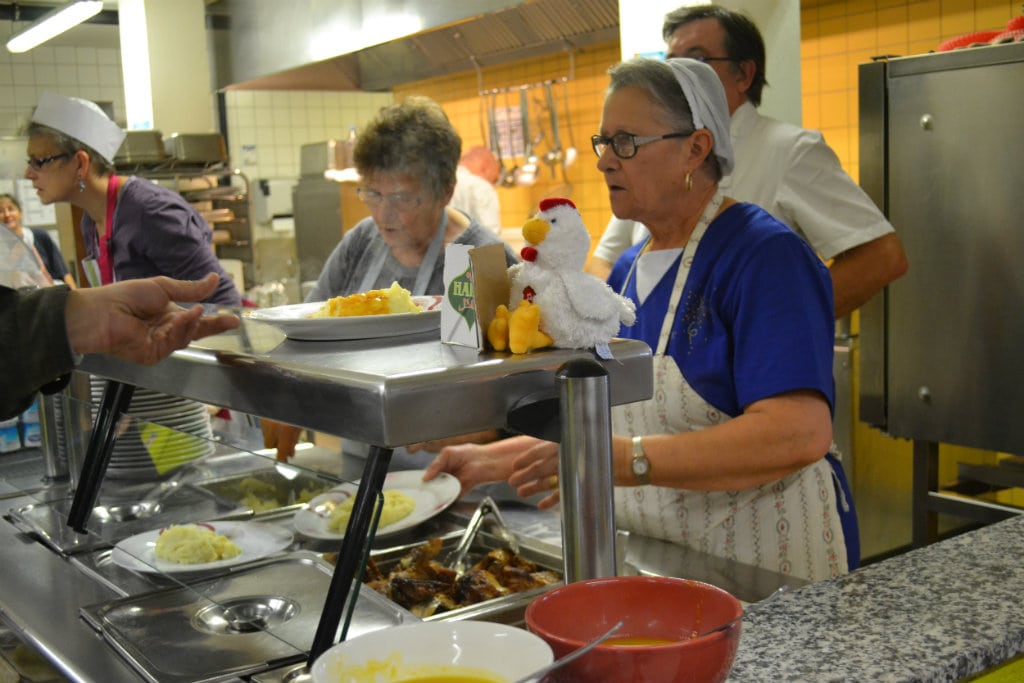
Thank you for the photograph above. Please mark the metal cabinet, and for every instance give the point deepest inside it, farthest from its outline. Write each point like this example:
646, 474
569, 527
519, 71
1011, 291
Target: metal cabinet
940, 153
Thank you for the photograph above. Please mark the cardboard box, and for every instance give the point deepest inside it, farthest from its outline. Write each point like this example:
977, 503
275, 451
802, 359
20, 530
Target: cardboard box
475, 282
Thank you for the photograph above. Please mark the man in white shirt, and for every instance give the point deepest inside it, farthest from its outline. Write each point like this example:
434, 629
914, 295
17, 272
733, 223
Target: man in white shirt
788, 170
475, 195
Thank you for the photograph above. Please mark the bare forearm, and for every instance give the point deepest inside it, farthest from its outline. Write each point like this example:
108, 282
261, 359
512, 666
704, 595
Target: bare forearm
860, 273
772, 439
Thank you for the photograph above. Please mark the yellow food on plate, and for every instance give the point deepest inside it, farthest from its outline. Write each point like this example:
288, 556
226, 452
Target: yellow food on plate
394, 670
194, 544
397, 506
394, 299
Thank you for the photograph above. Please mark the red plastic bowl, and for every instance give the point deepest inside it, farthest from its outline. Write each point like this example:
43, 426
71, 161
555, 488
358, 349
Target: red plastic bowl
656, 609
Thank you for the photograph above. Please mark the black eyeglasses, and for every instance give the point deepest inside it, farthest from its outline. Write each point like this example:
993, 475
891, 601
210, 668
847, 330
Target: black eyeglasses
625, 145
39, 164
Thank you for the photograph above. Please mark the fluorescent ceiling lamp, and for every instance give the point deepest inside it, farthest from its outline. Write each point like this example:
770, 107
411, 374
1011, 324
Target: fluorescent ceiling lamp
54, 23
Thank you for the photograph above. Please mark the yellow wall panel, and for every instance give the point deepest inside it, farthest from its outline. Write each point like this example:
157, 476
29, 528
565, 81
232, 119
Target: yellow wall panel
459, 96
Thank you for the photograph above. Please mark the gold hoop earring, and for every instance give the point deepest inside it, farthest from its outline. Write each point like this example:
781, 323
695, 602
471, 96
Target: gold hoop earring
689, 181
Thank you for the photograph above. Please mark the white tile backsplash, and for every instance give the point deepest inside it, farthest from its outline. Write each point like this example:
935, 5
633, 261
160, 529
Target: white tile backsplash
272, 126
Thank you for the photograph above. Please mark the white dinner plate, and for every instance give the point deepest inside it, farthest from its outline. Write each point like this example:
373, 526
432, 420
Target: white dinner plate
295, 322
256, 539
431, 497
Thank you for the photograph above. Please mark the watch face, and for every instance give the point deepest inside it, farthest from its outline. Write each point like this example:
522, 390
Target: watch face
640, 466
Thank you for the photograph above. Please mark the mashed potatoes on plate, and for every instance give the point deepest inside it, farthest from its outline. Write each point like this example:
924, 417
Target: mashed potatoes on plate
397, 506
194, 544
394, 299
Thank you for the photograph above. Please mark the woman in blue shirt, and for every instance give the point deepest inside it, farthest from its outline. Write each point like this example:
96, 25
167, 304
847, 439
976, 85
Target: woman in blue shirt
731, 455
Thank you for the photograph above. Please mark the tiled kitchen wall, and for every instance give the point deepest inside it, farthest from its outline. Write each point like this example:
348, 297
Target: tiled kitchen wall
90, 73
838, 36
266, 129
458, 95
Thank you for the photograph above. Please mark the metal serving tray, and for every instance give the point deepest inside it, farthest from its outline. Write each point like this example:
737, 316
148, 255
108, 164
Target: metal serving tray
508, 609
116, 519
272, 491
251, 620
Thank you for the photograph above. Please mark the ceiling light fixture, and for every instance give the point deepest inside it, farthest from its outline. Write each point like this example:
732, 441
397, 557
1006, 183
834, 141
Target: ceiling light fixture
54, 23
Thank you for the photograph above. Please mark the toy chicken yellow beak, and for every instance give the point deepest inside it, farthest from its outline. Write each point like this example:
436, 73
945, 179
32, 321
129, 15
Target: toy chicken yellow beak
535, 230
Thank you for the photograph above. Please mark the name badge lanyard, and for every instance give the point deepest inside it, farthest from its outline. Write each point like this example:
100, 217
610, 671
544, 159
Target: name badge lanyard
106, 258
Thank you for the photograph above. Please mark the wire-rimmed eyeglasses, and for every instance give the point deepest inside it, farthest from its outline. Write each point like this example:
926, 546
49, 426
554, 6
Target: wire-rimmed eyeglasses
625, 145
40, 164
399, 201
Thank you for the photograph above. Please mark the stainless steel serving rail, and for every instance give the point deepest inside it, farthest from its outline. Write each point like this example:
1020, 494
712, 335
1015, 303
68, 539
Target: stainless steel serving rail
394, 392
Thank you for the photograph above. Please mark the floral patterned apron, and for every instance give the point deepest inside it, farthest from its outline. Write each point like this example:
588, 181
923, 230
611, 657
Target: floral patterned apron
781, 526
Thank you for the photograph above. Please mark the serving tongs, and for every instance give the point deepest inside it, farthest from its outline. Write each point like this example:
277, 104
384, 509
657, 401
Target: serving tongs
456, 559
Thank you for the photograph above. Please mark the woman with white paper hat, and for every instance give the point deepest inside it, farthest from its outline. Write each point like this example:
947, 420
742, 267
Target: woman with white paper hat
132, 228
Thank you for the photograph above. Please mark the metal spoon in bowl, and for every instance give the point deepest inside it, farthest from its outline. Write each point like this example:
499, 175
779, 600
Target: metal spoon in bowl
575, 654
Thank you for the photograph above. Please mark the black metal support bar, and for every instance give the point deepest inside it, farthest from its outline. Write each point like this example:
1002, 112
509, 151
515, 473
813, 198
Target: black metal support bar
351, 557
116, 398
924, 522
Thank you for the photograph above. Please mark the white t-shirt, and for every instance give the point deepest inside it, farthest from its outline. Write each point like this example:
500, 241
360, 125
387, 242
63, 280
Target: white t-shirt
793, 174
476, 198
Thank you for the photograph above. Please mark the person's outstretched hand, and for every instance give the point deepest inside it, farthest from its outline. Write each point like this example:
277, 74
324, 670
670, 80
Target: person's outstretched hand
139, 321
530, 465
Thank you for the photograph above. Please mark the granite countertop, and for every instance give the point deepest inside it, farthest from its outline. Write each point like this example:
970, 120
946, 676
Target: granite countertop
939, 613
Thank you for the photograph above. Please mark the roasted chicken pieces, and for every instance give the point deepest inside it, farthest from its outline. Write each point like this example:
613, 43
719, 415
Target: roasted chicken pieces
425, 587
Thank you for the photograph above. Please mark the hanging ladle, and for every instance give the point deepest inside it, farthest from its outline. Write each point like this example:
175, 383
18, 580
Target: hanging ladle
569, 156
554, 157
526, 175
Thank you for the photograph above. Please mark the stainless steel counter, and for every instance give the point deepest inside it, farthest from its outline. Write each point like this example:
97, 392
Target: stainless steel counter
386, 392
392, 392
40, 595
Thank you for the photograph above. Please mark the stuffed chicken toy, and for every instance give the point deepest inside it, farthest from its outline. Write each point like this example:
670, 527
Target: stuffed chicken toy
552, 302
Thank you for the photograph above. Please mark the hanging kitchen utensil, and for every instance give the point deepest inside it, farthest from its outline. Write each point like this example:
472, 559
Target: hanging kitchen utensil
509, 178
526, 176
555, 155
495, 139
569, 156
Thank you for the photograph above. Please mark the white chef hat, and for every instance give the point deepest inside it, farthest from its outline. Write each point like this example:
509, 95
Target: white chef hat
706, 97
82, 120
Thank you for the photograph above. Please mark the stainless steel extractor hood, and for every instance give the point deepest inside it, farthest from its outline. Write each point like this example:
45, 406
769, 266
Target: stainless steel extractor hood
375, 45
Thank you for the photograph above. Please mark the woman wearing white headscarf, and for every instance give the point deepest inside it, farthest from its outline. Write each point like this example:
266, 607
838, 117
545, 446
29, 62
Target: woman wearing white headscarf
729, 456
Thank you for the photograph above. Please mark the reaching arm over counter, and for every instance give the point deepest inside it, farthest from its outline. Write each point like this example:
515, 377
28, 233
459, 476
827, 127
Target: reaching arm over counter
137, 320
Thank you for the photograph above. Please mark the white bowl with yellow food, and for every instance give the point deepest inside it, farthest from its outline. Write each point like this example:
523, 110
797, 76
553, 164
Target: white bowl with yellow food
367, 315
407, 502
429, 652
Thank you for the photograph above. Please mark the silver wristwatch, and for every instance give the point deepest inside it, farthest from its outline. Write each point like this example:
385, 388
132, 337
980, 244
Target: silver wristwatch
641, 465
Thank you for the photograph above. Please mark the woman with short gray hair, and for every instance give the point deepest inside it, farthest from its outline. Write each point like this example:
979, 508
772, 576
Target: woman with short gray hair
406, 158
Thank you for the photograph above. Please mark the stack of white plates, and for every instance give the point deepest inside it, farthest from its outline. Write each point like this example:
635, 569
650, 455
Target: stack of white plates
160, 433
